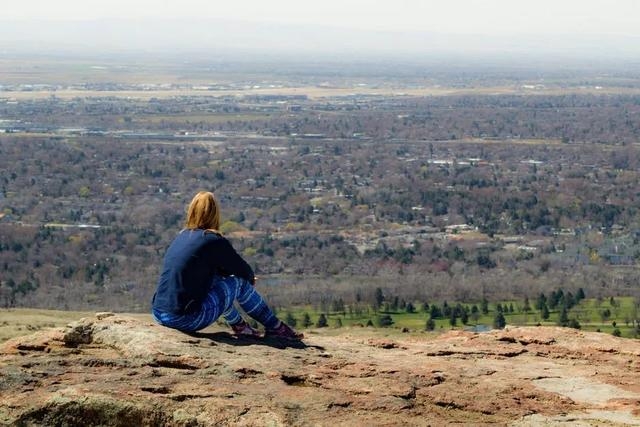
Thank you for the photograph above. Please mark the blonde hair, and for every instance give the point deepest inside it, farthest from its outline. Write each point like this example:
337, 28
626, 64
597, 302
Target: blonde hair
203, 212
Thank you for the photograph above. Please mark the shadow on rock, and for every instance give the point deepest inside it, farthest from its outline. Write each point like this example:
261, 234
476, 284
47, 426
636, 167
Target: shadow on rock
227, 338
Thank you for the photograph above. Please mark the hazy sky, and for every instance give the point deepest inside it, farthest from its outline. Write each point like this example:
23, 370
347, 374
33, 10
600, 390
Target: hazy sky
363, 24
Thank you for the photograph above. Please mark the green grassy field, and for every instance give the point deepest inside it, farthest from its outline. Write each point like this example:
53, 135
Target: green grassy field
589, 314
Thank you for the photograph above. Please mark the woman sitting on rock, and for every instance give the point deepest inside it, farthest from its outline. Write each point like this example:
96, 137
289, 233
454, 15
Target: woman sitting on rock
202, 276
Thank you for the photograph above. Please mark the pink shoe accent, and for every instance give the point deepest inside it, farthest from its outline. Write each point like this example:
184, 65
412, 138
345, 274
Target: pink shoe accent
243, 329
284, 332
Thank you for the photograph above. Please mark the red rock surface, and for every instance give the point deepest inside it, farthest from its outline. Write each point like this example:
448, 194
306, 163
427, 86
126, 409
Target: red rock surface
119, 371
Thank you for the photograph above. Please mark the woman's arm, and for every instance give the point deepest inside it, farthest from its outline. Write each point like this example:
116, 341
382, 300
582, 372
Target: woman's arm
230, 262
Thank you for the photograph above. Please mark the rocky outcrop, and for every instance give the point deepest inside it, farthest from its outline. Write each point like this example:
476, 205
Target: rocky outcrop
112, 370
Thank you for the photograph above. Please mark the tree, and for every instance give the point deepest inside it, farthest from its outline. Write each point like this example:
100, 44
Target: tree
475, 313
464, 317
322, 321
409, 308
526, 307
499, 322
306, 320
378, 299
563, 320
337, 306
541, 301
544, 312
555, 298
431, 324
446, 310
290, 320
435, 312
395, 303
453, 320
570, 300
484, 306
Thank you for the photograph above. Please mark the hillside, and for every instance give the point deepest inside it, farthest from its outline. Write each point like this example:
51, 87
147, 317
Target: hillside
488, 195
115, 370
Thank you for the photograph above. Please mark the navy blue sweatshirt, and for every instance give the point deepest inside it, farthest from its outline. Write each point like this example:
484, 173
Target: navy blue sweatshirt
192, 260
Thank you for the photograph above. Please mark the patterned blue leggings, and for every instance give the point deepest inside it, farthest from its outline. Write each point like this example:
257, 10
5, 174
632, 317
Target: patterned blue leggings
219, 301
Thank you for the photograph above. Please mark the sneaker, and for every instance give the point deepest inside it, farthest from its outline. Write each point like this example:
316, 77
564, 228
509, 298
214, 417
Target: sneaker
243, 329
283, 331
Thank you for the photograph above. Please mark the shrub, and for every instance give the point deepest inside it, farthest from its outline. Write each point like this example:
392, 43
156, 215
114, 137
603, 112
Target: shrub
385, 320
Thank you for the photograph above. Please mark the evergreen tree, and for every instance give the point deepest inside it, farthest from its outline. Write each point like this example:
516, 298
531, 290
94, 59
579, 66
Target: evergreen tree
446, 310
499, 322
556, 298
569, 300
378, 299
435, 311
395, 303
431, 324
337, 306
563, 320
464, 317
306, 320
409, 308
541, 301
544, 313
453, 320
484, 306
290, 320
475, 313
322, 321
526, 306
